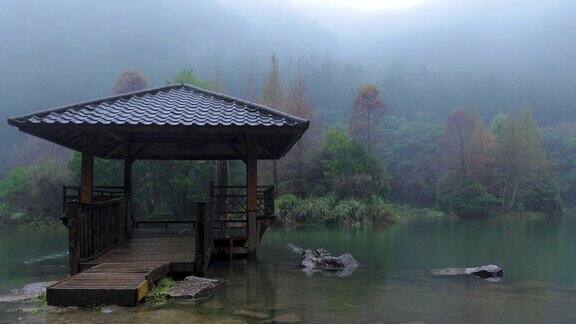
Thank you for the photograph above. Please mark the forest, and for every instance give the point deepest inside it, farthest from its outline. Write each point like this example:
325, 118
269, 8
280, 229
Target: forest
390, 139
374, 169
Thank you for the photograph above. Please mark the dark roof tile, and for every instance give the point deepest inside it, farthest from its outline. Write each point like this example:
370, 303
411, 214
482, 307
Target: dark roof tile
175, 105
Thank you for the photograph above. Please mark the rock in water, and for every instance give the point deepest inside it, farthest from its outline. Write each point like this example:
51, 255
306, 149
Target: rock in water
193, 287
484, 272
487, 271
320, 260
29, 291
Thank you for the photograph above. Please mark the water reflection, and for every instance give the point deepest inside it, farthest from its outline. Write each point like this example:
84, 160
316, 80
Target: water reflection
393, 283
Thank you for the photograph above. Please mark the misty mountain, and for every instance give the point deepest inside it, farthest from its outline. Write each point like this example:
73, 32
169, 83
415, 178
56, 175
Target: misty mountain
443, 55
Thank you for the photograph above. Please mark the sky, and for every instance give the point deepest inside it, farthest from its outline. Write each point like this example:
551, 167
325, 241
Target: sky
365, 6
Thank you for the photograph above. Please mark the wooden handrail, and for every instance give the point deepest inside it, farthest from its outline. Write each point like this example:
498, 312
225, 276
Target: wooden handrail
96, 228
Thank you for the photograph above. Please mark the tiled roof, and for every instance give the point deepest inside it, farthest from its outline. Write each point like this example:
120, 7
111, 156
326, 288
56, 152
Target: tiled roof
174, 105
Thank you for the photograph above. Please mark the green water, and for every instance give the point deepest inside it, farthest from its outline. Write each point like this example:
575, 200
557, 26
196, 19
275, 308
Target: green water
392, 283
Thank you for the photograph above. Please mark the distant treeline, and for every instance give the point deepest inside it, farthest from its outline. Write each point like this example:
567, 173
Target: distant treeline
370, 153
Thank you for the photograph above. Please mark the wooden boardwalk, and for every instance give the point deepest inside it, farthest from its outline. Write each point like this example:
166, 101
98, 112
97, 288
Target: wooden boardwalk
125, 274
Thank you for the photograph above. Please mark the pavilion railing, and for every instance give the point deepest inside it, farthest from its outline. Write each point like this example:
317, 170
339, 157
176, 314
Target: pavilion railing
99, 193
229, 207
96, 228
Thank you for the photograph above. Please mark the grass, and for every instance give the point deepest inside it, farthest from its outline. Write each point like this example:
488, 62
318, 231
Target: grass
347, 213
40, 303
159, 294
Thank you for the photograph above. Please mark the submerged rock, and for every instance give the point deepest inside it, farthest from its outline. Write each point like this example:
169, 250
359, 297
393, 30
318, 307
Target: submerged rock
320, 260
29, 291
193, 287
249, 313
213, 304
485, 272
286, 319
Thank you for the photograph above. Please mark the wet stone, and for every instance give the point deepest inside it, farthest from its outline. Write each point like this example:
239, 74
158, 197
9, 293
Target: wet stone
110, 309
194, 287
29, 291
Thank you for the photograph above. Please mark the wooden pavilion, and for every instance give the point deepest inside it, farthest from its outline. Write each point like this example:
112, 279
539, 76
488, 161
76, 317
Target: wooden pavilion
110, 260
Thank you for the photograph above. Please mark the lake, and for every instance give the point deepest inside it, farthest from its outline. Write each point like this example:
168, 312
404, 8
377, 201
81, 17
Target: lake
392, 283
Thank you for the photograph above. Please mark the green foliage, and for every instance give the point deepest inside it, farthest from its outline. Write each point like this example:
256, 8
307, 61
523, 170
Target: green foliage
524, 168
187, 76
411, 158
463, 198
543, 196
499, 125
159, 294
346, 213
348, 170
33, 193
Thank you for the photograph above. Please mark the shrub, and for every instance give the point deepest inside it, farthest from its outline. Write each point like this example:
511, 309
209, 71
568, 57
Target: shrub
348, 169
544, 196
349, 212
381, 212
463, 198
295, 211
33, 192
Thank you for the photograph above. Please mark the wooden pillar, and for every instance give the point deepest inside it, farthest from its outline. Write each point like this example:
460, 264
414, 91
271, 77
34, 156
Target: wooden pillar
87, 170
128, 194
204, 238
73, 239
251, 194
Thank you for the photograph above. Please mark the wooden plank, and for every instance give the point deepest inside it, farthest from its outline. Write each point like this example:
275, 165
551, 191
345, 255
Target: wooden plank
123, 275
108, 283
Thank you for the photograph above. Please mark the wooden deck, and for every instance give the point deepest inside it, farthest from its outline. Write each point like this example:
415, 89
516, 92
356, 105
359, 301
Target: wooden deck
176, 247
125, 274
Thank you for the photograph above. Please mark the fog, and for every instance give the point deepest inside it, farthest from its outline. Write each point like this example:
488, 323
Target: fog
426, 56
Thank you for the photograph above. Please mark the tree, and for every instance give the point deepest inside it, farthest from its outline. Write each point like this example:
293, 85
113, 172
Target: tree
367, 111
187, 76
273, 98
298, 105
130, 81
347, 169
524, 168
468, 147
250, 91
272, 89
464, 198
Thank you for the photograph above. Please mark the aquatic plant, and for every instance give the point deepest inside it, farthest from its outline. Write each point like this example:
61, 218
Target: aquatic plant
159, 294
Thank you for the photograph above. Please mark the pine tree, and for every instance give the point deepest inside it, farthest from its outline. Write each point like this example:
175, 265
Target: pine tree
273, 98
366, 113
297, 104
527, 177
272, 89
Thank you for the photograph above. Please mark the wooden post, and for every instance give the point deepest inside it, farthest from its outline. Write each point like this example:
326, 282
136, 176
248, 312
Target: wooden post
204, 238
251, 195
87, 170
73, 239
129, 219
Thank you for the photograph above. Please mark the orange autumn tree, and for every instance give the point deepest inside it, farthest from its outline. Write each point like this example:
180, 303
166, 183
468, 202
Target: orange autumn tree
130, 81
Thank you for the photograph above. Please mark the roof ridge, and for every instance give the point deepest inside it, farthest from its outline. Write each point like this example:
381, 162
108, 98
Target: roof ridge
247, 103
13, 120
